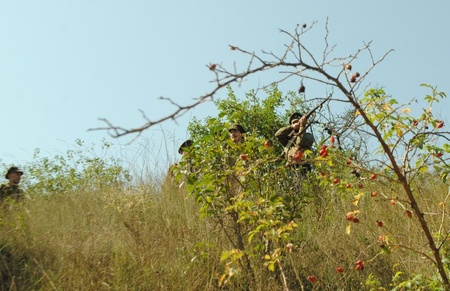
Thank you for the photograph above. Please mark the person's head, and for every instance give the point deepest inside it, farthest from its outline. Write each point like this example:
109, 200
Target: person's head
184, 146
236, 132
295, 118
14, 175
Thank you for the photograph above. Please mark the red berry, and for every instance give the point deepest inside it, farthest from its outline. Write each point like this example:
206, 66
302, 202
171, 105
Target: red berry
359, 265
415, 122
232, 47
244, 157
348, 185
349, 216
332, 139
349, 161
312, 279
380, 223
340, 270
298, 156
373, 176
212, 67
323, 174
336, 181
374, 194
440, 124
408, 213
267, 144
360, 186
439, 154
392, 202
355, 220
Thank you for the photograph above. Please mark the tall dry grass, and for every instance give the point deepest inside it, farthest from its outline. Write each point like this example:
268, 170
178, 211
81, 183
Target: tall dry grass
151, 238
138, 240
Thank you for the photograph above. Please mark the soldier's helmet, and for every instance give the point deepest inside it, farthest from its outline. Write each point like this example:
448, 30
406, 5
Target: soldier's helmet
237, 127
184, 146
295, 115
13, 170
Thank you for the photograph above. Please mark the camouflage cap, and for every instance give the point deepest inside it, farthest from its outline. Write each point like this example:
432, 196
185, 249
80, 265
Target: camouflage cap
237, 127
13, 170
185, 145
295, 115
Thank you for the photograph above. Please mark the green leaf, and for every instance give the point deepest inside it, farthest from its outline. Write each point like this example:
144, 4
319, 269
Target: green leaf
271, 266
225, 255
423, 169
393, 101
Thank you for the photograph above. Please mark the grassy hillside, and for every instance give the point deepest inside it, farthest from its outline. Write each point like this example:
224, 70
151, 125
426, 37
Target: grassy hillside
146, 239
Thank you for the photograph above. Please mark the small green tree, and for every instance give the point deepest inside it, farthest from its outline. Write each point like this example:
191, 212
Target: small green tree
77, 169
246, 188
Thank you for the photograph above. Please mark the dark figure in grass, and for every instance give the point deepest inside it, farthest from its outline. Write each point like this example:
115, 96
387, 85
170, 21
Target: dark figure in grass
12, 189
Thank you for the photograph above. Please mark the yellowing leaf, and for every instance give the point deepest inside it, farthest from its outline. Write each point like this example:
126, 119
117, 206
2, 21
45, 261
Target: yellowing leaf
348, 229
406, 110
357, 198
387, 107
221, 279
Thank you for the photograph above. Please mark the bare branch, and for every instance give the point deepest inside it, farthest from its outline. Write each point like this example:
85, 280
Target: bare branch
257, 63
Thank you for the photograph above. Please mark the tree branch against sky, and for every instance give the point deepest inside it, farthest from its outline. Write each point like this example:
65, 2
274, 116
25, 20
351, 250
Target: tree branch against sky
296, 61
64, 65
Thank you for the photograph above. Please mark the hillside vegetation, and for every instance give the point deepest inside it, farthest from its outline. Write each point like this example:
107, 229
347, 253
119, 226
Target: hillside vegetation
234, 217
148, 240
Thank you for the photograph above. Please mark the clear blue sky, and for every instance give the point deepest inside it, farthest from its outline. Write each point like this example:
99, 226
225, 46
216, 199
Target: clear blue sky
65, 64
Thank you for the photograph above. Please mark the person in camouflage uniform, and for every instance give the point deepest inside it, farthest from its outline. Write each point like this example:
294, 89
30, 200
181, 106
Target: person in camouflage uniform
12, 188
295, 141
237, 132
232, 155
